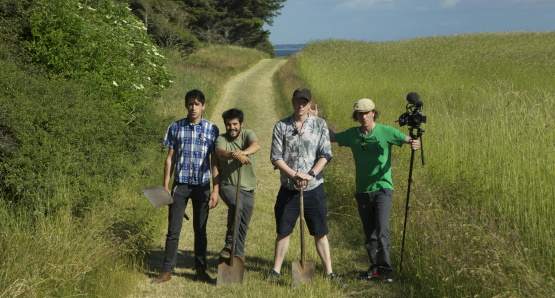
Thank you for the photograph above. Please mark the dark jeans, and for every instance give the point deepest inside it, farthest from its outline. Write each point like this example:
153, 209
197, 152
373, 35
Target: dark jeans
199, 194
374, 210
246, 206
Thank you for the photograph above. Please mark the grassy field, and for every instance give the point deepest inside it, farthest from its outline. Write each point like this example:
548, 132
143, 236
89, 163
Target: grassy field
480, 208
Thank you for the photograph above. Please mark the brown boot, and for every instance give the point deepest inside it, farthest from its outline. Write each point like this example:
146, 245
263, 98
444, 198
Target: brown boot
163, 277
204, 277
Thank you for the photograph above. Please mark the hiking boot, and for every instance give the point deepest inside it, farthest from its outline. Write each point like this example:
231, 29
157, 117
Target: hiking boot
163, 277
273, 276
202, 276
337, 280
226, 252
385, 274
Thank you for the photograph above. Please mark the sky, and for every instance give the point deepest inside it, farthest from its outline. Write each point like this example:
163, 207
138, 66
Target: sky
303, 21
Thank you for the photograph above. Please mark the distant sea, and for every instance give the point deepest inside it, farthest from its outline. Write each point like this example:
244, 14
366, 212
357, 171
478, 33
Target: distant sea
287, 49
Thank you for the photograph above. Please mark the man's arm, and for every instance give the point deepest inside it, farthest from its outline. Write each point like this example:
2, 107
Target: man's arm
215, 171
240, 155
168, 168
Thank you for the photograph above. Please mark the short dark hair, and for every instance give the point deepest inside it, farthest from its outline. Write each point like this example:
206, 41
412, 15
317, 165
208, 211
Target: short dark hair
195, 94
376, 114
233, 114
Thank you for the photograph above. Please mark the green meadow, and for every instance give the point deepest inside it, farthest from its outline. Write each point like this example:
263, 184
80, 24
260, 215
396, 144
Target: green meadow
480, 208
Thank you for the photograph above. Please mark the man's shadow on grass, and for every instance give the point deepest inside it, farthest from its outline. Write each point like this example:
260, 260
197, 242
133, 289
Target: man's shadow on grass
185, 259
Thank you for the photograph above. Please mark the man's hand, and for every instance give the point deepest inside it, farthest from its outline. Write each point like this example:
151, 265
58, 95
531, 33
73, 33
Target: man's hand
240, 156
414, 144
301, 179
213, 202
313, 112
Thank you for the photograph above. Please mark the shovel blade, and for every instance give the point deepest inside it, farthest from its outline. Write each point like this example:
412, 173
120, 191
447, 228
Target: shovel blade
303, 274
230, 274
158, 196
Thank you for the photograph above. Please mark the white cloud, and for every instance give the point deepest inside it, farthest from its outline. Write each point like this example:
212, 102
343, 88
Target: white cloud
449, 3
365, 4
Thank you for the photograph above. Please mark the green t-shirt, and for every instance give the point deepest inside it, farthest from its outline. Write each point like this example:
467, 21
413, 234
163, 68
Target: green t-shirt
228, 168
373, 165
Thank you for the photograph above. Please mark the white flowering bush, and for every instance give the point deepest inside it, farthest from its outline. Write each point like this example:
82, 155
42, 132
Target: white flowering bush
100, 42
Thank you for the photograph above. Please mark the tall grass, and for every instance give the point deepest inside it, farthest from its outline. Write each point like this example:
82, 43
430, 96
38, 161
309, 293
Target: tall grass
480, 224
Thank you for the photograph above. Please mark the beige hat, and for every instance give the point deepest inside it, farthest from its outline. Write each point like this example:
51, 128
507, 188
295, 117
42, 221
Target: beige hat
364, 105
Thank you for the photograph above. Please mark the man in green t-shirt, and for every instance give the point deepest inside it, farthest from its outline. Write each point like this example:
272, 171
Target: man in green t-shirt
371, 145
235, 149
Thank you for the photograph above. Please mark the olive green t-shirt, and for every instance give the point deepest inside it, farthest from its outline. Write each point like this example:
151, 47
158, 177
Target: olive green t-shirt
373, 162
228, 168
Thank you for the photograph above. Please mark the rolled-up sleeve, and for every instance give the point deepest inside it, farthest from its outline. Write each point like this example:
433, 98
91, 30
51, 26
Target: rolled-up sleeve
276, 152
324, 146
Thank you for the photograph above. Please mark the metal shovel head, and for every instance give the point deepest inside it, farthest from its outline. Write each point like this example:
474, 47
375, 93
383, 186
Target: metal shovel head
158, 196
231, 270
303, 274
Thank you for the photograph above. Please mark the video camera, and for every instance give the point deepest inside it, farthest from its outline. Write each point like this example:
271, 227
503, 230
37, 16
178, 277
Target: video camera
413, 116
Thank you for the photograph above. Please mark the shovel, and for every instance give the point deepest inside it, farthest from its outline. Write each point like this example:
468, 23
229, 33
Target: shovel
304, 270
231, 271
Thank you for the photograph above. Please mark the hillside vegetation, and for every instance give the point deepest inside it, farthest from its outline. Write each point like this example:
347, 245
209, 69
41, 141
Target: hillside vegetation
479, 222
80, 128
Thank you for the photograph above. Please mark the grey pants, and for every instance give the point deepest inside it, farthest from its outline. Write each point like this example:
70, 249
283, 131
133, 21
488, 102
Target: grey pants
246, 206
199, 194
374, 210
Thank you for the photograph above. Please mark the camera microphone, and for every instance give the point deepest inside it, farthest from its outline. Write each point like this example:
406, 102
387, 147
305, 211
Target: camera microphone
414, 98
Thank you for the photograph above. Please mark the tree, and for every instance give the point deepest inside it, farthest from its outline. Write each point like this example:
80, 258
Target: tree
167, 22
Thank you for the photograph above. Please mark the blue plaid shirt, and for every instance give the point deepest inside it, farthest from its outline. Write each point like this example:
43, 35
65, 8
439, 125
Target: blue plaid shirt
193, 144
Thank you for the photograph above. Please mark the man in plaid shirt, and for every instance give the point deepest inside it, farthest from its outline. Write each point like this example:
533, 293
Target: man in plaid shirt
191, 158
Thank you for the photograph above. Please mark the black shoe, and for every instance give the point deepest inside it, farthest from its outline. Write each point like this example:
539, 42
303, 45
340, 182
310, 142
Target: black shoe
273, 276
226, 252
385, 274
337, 280
202, 276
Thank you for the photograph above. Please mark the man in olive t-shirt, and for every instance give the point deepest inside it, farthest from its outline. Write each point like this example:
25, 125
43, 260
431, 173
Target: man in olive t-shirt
235, 149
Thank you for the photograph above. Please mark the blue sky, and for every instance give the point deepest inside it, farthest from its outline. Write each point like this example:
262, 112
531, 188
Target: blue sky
302, 21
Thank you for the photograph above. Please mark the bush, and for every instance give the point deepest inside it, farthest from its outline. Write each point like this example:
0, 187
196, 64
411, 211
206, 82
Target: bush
103, 44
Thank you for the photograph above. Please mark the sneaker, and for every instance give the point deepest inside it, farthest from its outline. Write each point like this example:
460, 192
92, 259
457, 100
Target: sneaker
273, 276
202, 276
226, 251
385, 274
336, 280
370, 274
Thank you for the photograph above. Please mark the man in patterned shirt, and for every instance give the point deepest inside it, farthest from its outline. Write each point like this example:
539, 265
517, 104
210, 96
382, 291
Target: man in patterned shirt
300, 150
191, 158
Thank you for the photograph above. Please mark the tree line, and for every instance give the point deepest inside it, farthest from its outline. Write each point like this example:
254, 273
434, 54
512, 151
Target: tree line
183, 25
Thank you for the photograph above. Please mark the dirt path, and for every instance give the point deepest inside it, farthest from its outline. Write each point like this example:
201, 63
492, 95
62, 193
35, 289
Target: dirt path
252, 92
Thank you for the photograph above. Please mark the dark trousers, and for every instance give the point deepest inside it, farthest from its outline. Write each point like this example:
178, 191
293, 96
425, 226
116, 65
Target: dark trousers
374, 210
199, 195
246, 206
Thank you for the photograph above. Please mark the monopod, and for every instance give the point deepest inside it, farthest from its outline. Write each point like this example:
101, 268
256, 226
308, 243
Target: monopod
413, 118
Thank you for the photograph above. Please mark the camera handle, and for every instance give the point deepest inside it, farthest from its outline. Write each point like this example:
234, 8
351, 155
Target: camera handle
419, 132
414, 137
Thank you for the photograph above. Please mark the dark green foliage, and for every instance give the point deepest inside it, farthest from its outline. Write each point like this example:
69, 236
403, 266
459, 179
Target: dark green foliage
55, 134
237, 22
